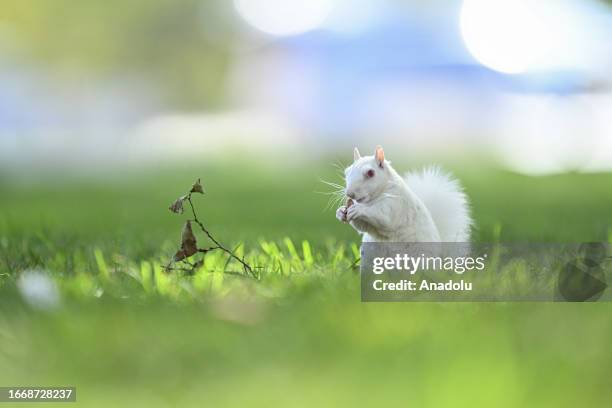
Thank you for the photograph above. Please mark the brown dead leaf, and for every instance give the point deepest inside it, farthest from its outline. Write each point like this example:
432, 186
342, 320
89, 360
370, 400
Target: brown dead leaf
197, 187
189, 244
177, 206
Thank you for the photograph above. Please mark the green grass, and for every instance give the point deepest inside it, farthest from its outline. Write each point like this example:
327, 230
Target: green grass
129, 334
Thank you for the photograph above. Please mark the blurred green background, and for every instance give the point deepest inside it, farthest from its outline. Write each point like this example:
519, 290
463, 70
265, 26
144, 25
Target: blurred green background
110, 110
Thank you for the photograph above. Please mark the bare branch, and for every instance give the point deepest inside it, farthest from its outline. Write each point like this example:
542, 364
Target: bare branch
189, 243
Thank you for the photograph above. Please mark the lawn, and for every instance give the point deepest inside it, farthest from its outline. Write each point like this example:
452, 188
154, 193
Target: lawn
127, 333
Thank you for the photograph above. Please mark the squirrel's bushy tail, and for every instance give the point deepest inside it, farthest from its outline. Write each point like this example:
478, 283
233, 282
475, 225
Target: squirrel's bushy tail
447, 203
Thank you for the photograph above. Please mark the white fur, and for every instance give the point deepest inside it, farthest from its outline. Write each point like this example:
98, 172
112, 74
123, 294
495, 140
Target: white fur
447, 203
428, 206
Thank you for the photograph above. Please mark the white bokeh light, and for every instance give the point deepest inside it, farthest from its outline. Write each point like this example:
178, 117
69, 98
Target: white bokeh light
504, 35
284, 17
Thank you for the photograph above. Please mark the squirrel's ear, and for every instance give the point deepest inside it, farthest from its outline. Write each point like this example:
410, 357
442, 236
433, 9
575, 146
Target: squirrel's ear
356, 155
379, 155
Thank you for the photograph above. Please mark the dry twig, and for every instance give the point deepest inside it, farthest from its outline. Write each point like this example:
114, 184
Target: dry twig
189, 241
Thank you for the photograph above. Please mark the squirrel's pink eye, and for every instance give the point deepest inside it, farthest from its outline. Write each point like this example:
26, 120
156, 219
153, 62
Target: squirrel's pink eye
370, 173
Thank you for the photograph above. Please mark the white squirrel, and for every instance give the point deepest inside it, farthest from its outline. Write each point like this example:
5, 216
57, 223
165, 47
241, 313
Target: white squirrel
429, 206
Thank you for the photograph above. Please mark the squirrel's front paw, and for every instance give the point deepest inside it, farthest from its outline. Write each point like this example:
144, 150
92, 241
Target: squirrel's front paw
353, 212
341, 214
